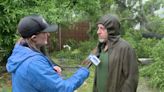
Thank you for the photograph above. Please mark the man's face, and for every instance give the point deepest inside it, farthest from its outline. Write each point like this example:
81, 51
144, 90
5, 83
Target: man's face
102, 33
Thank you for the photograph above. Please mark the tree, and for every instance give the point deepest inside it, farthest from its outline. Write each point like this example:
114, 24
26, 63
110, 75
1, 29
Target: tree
60, 11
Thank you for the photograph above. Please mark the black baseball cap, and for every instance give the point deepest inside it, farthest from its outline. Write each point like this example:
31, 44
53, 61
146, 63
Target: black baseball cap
33, 24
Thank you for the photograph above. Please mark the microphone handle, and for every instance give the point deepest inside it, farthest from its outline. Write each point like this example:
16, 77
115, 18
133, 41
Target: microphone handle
89, 65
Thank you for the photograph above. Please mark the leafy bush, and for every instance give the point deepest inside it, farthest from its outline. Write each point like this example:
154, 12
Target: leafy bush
155, 71
53, 10
72, 43
87, 46
156, 25
79, 52
142, 45
133, 37
144, 48
11, 12
9, 18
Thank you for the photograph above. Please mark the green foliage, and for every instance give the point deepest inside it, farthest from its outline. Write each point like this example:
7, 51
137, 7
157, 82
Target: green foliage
60, 11
133, 37
142, 45
7, 27
155, 70
144, 48
152, 5
158, 50
152, 48
73, 54
75, 10
11, 12
74, 44
87, 46
156, 25
5, 83
79, 52
69, 11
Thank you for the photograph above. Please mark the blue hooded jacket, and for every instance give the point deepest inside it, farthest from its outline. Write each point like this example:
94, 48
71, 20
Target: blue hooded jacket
33, 72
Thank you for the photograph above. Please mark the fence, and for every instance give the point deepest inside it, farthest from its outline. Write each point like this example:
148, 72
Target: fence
77, 32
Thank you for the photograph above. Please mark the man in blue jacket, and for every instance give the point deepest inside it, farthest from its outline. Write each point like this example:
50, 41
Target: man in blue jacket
31, 69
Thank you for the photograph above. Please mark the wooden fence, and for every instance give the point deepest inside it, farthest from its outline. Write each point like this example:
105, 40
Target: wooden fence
77, 32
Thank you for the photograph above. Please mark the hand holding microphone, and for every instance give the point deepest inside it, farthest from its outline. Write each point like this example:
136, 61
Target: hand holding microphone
91, 59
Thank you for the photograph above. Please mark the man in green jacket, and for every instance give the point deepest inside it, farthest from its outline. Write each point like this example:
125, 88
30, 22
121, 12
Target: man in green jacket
118, 69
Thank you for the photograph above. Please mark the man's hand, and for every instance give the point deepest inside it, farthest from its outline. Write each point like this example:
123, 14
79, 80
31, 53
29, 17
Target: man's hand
57, 69
91, 59
87, 62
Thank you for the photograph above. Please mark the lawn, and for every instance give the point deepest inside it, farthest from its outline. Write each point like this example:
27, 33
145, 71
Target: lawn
5, 83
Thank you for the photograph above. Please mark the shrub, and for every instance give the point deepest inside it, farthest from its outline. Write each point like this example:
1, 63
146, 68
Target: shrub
144, 48
78, 53
142, 45
155, 71
11, 12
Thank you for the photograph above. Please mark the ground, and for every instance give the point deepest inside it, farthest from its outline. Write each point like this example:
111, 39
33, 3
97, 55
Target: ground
144, 86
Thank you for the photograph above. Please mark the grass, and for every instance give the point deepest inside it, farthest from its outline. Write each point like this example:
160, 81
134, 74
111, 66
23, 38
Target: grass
5, 83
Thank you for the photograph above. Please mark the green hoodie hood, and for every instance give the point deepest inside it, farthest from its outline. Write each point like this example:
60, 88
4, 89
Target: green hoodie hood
111, 23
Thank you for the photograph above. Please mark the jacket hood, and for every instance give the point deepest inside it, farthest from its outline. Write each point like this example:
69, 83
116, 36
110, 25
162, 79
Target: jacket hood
19, 55
111, 23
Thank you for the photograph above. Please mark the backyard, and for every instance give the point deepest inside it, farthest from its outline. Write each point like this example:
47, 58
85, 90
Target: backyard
142, 25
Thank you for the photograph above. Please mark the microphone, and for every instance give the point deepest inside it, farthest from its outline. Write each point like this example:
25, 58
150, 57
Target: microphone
92, 59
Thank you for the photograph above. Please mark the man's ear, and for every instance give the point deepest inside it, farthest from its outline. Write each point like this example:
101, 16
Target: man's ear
33, 37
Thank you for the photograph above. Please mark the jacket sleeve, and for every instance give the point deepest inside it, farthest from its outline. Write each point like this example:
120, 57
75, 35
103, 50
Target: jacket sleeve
130, 70
43, 78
